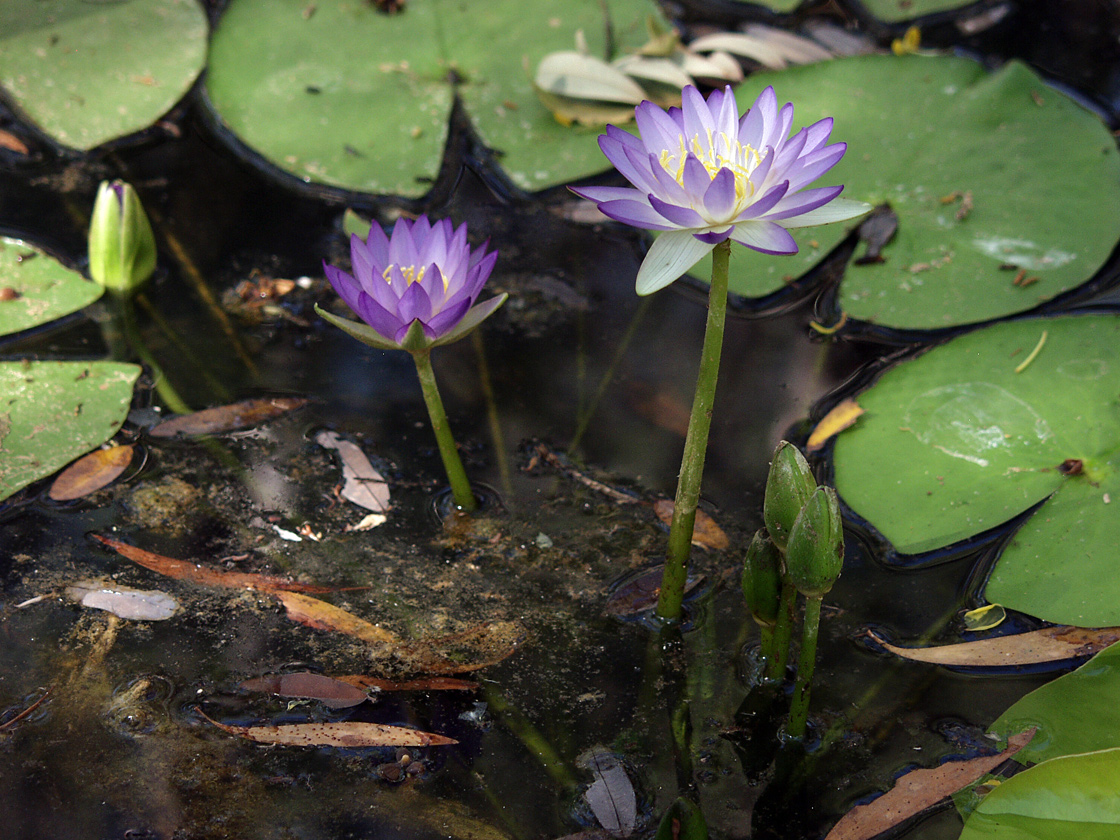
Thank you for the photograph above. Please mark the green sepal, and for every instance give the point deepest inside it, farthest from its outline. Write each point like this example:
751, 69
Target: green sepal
477, 314
122, 247
363, 332
815, 553
415, 341
788, 486
762, 579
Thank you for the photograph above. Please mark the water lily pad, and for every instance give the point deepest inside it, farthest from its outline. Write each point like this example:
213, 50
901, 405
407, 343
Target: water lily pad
896, 11
301, 86
1071, 798
970, 435
52, 412
989, 173
40, 289
86, 73
1075, 713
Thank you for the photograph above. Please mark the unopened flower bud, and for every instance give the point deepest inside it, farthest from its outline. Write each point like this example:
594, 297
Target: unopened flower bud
122, 248
815, 553
788, 487
762, 579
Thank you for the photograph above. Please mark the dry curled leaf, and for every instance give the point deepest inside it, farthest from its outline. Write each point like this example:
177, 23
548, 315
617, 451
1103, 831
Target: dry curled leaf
918, 790
362, 484
90, 472
706, 533
345, 734
1050, 644
336, 694
227, 418
842, 416
317, 613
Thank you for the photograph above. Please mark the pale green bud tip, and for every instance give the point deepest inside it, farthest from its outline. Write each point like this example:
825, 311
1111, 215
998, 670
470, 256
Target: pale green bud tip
815, 553
788, 487
762, 579
122, 248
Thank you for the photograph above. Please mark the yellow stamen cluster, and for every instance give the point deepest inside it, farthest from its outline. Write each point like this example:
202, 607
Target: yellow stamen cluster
716, 152
409, 272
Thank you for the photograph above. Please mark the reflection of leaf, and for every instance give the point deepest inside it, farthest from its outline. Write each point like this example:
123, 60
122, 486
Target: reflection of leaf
1075, 713
56, 411
227, 418
419, 684
1069, 798
918, 790
346, 734
1050, 644
90, 473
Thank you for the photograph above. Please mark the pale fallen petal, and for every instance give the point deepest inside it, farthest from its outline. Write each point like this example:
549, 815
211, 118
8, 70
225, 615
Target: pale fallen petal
124, 602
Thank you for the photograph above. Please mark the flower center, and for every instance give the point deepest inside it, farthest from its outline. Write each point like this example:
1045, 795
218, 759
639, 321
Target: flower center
716, 152
409, 272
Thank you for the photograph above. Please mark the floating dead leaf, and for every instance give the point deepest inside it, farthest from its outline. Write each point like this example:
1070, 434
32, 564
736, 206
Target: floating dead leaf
317, 613
123, 601
424, 684
182, 570
639, 592
918, 790
345, 734
611, 796
1051, 644
227, 418
12, 143
470, 650
90, 472
843, 415
706, 533
362, 484
877, 230
336, 694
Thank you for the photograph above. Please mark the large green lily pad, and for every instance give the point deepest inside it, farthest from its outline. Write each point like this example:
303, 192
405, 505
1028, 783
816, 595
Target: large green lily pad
44, 288
897, 11
353, 98
89, 72
1075, 713
1042, 175
1071, 798
956, 442
52, 412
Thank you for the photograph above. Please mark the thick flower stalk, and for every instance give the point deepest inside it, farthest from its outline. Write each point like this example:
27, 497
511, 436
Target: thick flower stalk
702, 174
416, 290
705, 177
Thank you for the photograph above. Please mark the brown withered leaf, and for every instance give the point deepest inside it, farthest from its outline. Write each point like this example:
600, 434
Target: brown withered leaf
422, 684
303, 684
843, 414
90, 472
227, 418
706, 533
12, 143
918, 790
362, 484
476, 647
638, 593
1050, 644
317, 613
345, 734
182, 570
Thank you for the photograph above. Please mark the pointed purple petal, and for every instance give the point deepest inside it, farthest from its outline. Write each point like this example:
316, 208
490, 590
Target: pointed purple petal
632, 163
764, 204
754, 127
378, 244
720, 198
666, 186
600, 194
346, 286
380, 319
658, 129
447, 318
810, 167
802, 202
696, 178
714, 237
639, 214
681, 217
414, 304
767, 237
698, 120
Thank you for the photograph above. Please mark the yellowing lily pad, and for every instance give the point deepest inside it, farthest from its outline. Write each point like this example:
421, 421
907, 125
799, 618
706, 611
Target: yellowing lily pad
52, 412
956, 442
1007, 192
344, 95
89, 72
39, 288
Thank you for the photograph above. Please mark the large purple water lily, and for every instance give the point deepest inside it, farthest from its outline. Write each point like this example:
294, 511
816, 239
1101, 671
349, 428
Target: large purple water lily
415, 289
702, 174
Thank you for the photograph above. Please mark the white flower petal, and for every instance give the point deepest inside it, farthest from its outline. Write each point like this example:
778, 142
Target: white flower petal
670, 256
837, 210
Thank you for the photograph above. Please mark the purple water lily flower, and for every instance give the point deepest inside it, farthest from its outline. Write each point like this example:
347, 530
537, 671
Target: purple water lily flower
415, 289
703, 174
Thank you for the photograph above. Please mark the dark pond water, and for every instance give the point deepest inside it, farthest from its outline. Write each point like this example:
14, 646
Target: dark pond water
120, 748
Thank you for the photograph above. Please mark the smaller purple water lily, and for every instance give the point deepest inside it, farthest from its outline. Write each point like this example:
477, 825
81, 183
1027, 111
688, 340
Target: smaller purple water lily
703, 174
415, 289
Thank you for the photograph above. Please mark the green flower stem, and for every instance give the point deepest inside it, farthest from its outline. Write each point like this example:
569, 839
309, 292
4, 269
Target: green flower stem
452, 463
131, 330
799, 709
695, 443
779, 643
766, 644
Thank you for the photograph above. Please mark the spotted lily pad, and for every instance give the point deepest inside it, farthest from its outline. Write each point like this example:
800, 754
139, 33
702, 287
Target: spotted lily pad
89, 72
52, 412
40, 289
1007, 192
301, 86
975, 432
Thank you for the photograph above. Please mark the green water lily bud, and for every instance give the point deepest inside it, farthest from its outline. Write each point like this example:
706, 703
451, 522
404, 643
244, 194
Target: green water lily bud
762, 579
815, 553
122, 248
788, 487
